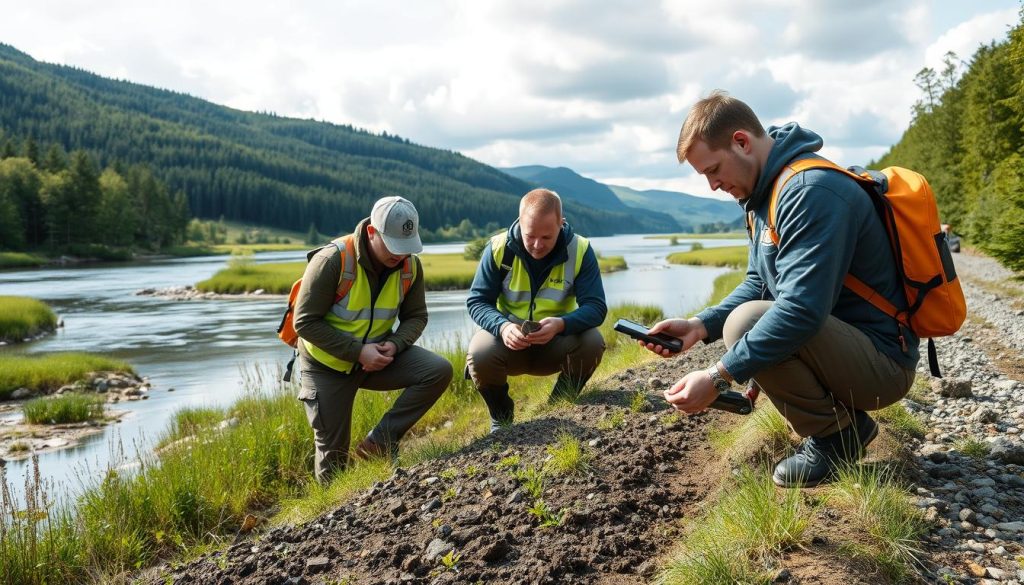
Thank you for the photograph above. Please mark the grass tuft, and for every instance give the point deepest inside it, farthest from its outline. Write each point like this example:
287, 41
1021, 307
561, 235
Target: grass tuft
751, 522
973, 448
901, 422
66, 408
568, 456
51, 371
23, 317
883, 510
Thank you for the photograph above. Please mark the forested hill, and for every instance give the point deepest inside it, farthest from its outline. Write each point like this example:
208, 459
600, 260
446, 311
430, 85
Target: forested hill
259, 168
967, 138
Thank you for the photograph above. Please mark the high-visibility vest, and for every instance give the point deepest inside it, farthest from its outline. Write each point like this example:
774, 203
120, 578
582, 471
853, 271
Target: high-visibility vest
556, 295
357, 314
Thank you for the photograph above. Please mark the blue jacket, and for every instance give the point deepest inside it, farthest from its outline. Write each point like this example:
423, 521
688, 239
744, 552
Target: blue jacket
827, 226
483, 295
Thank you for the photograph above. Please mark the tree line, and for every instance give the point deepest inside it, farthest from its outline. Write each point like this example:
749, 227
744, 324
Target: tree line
967, 139
67, 204
260, 168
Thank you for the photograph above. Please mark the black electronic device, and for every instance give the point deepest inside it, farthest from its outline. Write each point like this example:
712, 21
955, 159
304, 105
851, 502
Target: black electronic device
733, 402
638, 331
528, 327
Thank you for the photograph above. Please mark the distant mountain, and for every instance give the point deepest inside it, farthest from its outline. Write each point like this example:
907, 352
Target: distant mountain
260, 168
687, 211
574, 187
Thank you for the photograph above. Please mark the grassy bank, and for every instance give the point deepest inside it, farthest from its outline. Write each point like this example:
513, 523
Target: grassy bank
66, 408
21, 260
51, 371
732, 256
440, 272
23, 317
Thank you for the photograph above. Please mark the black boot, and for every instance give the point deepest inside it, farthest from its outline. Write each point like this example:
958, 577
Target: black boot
499, 404
817, 458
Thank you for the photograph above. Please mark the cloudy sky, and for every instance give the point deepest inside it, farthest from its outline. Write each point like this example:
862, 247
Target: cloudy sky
599, 86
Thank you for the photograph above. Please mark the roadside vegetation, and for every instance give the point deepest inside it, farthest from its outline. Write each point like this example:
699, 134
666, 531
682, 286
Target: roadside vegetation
23, 317
731, 256
63, 409
41, 373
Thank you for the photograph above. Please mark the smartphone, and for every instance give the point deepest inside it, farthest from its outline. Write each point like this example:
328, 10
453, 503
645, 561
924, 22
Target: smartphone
733, 402
638, 331
528, 327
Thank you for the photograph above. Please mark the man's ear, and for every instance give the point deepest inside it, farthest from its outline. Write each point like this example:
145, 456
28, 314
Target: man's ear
741, 139
370, 230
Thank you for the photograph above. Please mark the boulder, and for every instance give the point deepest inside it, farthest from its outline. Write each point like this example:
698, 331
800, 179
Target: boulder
952, 387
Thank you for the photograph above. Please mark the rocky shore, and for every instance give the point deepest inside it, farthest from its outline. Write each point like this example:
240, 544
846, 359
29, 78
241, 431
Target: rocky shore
191, 293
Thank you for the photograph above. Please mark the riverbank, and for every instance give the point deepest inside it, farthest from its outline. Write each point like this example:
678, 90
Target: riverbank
729, 256
23, 319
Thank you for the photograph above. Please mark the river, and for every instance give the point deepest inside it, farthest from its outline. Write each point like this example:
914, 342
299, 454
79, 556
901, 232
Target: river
200, 348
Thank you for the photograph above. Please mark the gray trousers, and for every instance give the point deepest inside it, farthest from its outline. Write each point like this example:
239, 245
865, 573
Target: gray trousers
575, 357
328, 396
839, 369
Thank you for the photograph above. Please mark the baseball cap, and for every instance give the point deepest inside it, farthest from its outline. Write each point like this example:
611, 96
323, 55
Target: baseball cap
398, 223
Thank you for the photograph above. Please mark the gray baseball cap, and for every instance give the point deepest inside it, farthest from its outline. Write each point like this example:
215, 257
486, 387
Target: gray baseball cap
398, 223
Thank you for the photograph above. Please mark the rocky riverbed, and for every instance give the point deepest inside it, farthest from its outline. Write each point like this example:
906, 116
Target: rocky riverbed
469, 517
191, 293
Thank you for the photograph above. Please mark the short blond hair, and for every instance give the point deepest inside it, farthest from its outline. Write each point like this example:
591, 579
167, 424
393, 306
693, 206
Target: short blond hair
713, 120
541, 202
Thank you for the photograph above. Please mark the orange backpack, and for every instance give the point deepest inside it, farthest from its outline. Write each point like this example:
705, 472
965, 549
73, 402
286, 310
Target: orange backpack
347, 248
935, 302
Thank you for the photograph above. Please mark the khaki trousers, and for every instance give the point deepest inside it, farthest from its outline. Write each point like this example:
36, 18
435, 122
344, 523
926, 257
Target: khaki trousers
839, 369
328, 396
575, 357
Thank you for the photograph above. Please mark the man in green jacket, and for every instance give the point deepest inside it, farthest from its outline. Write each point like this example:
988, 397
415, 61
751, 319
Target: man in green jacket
347, 338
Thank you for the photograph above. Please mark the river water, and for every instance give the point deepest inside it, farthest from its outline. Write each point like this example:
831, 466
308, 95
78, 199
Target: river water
200, 348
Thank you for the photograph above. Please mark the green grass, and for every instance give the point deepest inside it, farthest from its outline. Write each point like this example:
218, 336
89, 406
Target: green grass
66, 408
51, 371
23, 317
21, 260
751, 522
711, 236
731, 256
901, 422
611, 263
762, 434
568, 457
973, 448
882, 509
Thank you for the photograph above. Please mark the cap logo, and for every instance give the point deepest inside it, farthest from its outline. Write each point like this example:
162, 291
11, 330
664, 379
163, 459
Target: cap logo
407, 227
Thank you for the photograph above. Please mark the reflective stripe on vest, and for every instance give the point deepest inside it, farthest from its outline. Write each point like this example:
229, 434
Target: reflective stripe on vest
556, 295
354, 314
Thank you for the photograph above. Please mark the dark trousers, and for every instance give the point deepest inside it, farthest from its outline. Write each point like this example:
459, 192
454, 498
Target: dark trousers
328, 396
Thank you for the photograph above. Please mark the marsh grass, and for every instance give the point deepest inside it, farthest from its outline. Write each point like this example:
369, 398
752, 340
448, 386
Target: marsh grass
731, 256
881, 507
66, 408
21, 260
23, 317
734, 541
611, 263
50, 371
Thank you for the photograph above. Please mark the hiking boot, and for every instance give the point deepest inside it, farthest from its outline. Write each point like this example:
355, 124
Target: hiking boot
817, 458
499, 404
369, 449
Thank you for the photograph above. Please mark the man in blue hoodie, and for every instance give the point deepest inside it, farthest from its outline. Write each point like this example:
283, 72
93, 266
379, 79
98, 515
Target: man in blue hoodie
821, 353
538, 299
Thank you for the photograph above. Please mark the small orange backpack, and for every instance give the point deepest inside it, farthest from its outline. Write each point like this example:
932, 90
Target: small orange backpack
935, 302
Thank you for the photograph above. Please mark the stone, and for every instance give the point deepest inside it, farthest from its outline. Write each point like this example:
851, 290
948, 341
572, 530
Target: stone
396, 507
431, 505
967, 515
21, 393
1015, 527
952, 387
437, 548
317, 564
976, 569
995, 573
1007, 450
782, 576
228, 423
984, 415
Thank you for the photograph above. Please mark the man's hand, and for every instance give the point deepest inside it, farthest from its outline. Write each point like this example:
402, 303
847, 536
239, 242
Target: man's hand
388, 348
512, 337
371, 358
549, 328
689, 331
692, 393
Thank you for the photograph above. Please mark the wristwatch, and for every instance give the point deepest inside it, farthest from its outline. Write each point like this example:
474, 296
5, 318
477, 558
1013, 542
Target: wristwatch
721, 384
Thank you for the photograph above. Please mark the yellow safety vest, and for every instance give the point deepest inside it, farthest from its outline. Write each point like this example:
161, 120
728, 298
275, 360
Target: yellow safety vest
355, 314
556, 295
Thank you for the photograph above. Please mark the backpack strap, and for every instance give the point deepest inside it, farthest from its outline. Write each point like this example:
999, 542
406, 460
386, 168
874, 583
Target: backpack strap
408, 274
505, 263
347, 248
